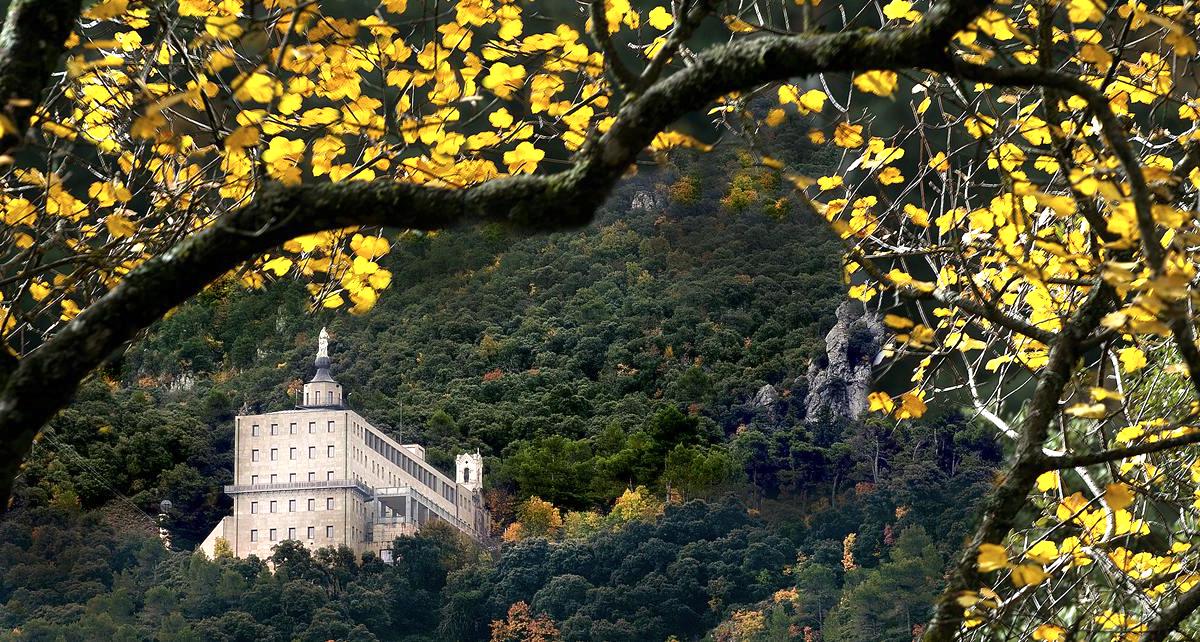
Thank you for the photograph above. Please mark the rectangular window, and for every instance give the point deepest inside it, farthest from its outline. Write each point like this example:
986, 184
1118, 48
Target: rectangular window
312, 452
291, 533
312, 427
330, 428
328, 503
274, 478
291, 429
254, 430
312, 504
253, 507
329, 475
291, 505
274, 454
292, 452
254, 455
274, 504
273, 536
253, 480
274, 429
312, 475
312, 532
329, 532
329, 451
292, 477
254, 535
331, 397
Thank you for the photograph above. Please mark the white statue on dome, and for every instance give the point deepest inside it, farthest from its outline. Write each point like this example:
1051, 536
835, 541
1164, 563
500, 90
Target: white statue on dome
323, 344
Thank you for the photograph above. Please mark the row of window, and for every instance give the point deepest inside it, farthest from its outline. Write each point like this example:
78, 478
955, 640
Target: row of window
273, 534
256, 454
314, 398
401, 459
312, 476
273, 505
256, 430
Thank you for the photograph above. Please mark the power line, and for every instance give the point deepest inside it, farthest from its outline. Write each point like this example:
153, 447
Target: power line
68, 449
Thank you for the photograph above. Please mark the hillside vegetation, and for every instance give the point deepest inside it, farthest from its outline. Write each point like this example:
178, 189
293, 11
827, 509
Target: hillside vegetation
620, 365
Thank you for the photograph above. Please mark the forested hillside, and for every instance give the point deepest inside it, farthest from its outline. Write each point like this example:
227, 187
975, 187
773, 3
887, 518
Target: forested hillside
665, 349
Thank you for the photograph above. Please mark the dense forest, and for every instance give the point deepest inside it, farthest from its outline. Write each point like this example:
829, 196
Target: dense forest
658, 462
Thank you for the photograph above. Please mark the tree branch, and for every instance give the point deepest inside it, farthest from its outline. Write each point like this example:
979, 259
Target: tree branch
1169, 619
622, 76
1091, 459
32, 41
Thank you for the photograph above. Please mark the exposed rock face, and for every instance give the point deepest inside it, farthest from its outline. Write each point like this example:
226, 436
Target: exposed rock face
648, 201
766, 397
185, 381
839, 381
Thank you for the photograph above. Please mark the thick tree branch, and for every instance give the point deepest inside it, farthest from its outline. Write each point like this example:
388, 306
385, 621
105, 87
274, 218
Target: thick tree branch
31, 44
1116, 454
1170, 618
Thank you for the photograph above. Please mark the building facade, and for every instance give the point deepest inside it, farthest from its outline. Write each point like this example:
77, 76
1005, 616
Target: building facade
322, 475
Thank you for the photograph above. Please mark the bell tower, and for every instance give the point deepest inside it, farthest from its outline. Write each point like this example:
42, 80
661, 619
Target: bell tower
468, 470
322, 391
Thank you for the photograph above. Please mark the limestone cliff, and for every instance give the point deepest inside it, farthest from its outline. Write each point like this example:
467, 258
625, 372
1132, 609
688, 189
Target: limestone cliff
839, 380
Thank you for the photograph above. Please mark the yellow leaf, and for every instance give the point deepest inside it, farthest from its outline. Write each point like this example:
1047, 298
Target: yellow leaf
812, 100
881, 402
912, 406
107, 9
523, 159
256, 87
1132, 359
397, 7
1043, 552
1118, 496
504, 80
369, 247
1085, 10
39, 290
847, 135
660, 18
916, 214
1028, 574
1104, 394
69, 310
826, 183
119, 226
1047, 481
878, 82
1050, 633
991, 557
1087, 411
18, 211
897, 322
279, 265
896, 9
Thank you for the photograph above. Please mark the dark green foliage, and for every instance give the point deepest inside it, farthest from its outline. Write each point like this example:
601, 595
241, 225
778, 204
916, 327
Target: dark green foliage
581, 365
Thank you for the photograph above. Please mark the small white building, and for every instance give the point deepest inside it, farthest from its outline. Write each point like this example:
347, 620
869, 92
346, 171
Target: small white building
322, 475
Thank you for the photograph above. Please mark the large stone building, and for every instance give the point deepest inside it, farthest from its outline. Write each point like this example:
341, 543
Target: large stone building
321, 474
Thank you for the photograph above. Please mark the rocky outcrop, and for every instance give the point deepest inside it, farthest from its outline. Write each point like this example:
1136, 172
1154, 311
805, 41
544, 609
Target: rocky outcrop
648, 201
838, 381
766, 397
